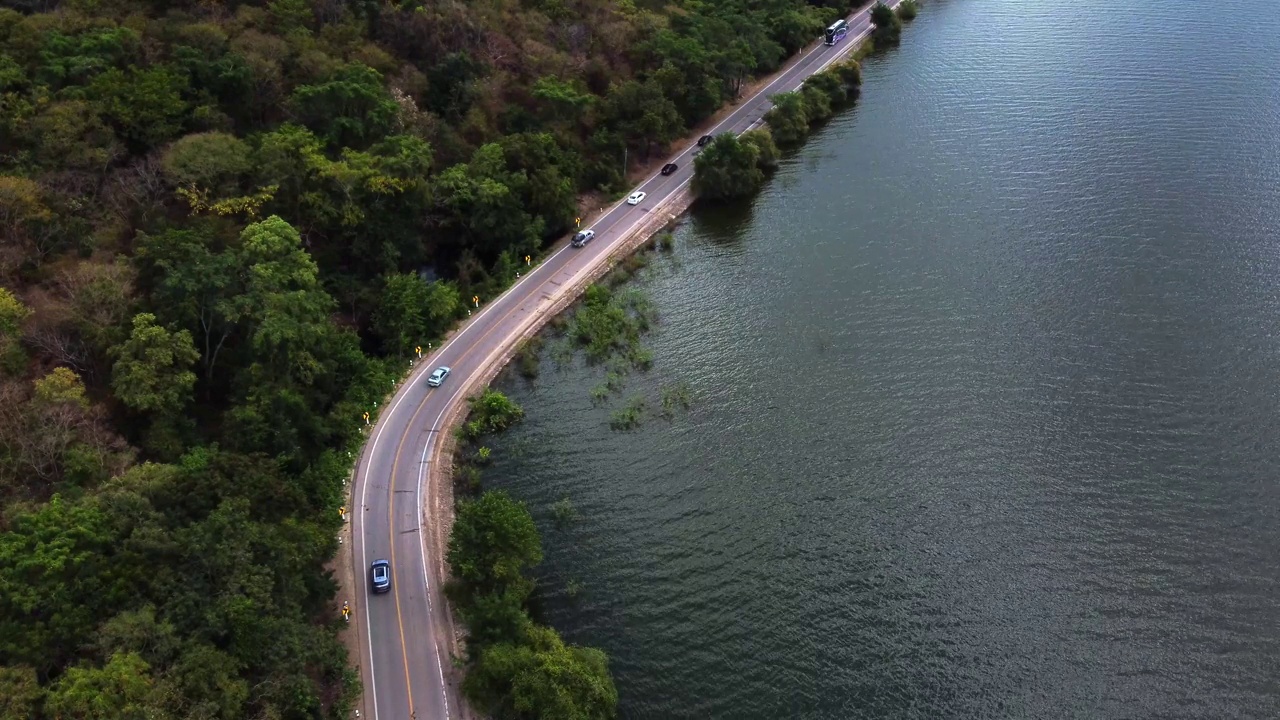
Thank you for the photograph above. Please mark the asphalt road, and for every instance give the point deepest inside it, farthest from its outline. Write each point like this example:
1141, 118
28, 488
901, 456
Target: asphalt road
403, 667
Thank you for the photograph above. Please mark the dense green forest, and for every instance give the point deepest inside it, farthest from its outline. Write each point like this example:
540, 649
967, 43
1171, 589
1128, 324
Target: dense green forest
223, 225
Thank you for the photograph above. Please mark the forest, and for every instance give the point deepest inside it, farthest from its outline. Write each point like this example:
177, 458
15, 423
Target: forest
224, 227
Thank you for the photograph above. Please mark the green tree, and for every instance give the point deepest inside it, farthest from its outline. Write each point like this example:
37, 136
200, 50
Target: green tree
849, 72
55, 581
493, 541
26, 219
481, 204
491, 412
542, 678
643, 114
349, 109
61, 386
817, 103
70, 134
413, 311
12, 316
282, 293
788, 119
496, 617
762, 140
77, 58
152, 368
120, 689
20, 694
290, 15
830, 85
888, 26
562, 101
211, 162
192, 285
145, 107
727, 168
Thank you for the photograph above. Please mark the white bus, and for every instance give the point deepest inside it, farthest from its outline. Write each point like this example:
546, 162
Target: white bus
837, 31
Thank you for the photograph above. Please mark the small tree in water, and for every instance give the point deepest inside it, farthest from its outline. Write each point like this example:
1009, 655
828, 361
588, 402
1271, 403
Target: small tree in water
727, 168
888, 26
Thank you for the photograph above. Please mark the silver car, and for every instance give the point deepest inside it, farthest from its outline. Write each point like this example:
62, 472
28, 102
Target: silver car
438, 376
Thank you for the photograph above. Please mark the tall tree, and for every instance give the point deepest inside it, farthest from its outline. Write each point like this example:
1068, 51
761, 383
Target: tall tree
543, 678
122, 688
493, 541
152, 369
349, 109
727, 168
413, 311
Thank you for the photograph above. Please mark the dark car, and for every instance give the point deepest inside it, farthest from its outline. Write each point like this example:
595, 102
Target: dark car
380, 574
704, 140
583, 238
669, 168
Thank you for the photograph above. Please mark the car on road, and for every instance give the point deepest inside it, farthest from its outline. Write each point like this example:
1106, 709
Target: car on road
438, 376
704, 140
583, 238
635, 198
380, 575
669, 168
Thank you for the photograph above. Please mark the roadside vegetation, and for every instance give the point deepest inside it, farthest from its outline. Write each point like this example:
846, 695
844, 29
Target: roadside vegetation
515, 667
732, 167
888, 25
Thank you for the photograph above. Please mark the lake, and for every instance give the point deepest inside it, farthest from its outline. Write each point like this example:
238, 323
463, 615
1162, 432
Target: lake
986, 395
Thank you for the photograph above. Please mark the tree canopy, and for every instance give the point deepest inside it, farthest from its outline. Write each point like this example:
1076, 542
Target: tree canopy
225, 226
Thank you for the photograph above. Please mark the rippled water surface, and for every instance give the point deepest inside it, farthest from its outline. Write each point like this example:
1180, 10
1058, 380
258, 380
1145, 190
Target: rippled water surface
987, 395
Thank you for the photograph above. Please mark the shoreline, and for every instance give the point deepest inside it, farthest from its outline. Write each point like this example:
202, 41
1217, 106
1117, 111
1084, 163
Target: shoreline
437, 509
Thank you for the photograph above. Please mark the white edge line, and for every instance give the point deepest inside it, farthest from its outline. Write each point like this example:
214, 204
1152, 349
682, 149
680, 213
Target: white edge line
426, 577
368, 622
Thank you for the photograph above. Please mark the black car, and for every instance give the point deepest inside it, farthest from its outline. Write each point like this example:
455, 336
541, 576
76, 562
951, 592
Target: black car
669, 168
704, 140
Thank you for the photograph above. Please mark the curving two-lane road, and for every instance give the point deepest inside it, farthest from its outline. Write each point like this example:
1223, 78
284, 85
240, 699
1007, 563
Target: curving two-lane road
402, 666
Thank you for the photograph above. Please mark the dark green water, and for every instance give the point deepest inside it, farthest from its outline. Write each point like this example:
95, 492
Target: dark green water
986, 388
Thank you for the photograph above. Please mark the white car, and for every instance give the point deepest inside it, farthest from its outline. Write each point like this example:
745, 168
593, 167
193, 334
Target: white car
438, 376
635, 198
